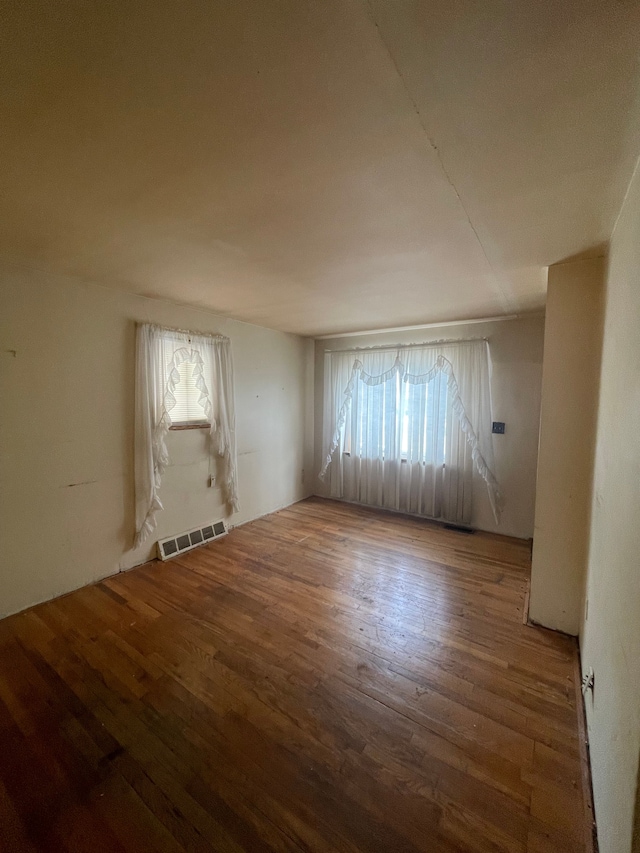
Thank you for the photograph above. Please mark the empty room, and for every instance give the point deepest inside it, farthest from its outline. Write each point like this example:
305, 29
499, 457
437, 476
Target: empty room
319, 418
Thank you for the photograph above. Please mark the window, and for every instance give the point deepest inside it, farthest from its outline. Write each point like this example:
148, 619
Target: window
182, 379
412, 423
398, 416
188, 411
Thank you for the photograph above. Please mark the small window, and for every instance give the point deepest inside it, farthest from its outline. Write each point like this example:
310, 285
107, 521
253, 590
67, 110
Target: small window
188, 361
188, 411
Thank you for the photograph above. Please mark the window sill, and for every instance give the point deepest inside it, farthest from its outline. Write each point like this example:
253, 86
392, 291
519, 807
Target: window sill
189, 426
403, 459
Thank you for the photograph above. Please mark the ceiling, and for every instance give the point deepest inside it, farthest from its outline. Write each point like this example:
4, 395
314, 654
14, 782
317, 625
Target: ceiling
317, 167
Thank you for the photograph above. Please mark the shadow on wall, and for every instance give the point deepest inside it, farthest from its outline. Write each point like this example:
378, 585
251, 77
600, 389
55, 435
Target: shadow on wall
598, 250
127, 530
635, 841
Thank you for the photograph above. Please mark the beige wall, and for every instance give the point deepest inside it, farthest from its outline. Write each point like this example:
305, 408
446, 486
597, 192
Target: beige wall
516, 353
572, 346
610, 637
66, 431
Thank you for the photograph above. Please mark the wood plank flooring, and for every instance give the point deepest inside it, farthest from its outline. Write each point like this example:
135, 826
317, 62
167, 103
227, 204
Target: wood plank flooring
328, 678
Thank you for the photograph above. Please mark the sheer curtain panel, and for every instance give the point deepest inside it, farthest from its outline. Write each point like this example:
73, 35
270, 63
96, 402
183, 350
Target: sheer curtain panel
160, 352
404, 428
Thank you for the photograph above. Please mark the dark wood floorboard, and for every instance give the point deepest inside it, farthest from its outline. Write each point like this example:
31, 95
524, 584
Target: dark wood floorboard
328, 678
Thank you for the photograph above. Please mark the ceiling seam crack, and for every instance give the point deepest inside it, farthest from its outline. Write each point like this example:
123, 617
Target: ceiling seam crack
506, 301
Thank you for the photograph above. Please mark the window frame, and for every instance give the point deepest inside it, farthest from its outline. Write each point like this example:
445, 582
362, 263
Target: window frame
202, 423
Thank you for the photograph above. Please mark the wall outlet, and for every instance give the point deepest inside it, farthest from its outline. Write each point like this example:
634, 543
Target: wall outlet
212, 481
498, 427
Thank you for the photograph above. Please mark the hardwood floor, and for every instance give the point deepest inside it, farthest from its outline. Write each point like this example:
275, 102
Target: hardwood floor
326, 678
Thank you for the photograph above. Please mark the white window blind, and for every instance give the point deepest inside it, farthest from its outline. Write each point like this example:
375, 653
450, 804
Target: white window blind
188, 409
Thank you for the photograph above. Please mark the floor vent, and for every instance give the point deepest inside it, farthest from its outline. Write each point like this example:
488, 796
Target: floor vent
175, 545
459, 528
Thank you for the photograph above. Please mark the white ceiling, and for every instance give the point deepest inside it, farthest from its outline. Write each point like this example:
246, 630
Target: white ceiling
317, 167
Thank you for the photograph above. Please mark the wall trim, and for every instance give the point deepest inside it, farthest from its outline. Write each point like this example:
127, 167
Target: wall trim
498, 319
590, 827
147, 561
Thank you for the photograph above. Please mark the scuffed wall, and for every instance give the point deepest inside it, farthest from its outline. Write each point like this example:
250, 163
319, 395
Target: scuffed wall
67, 422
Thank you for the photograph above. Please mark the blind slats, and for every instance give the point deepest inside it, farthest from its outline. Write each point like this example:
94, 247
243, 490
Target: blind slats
187, 409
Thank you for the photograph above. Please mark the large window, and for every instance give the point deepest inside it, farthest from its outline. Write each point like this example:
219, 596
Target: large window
404, 427
409, 421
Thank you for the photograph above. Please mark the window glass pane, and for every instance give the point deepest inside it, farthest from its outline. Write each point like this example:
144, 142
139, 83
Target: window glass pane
423, 417
397, 417
187, 408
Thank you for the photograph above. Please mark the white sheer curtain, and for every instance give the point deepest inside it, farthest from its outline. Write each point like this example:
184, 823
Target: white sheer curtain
159, 354
403, 429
